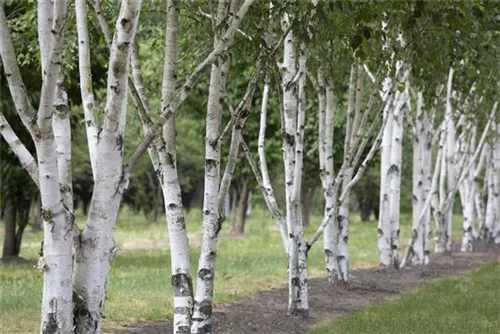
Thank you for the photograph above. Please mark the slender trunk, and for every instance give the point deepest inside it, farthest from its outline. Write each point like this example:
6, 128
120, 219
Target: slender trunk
418, 183
395, 184
60, 118
468, 195
479, 197
265, 182
303, 297
56, 262
85, 71
181, 280
353, 124
450, 157
202, 314
427, 192
95, 249
439, 216
384, 231
491, 208
495, 228
289, 126
329, 245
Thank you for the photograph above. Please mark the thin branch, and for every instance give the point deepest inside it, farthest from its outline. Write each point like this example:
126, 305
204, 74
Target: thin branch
16, 85
168, 111
27, 160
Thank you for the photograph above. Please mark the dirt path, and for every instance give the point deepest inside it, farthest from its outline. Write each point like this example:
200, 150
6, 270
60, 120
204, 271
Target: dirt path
265, 312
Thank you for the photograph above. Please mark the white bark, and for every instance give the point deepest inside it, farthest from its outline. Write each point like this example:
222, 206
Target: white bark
423, 132
202, 314
60, 118
479, 199
468, 191
95, 250
493, 195
56, 262
388, 103
325, 139
181, 280
266, 185
303, 294
17, 89
445, 239
390, 172
88, 100
354, 123
289, 123
237, 122
395, 183
446, 199
429, 200
384, 227
27, 160
495, 171
418, 182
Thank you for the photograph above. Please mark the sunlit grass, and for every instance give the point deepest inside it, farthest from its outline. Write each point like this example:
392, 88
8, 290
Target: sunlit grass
139, 284
461, 305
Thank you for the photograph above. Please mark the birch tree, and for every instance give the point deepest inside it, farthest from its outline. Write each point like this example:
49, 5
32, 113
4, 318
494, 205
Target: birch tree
368, 124
56, 263
492, 211
325, 151
390, 182
424, 136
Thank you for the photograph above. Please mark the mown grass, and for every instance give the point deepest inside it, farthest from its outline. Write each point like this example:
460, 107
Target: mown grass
139, 285
465, 304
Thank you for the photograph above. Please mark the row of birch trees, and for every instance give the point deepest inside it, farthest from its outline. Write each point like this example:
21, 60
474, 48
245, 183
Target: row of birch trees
370, 66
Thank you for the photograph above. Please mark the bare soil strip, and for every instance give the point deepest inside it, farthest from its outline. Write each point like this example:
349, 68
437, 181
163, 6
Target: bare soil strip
265, 312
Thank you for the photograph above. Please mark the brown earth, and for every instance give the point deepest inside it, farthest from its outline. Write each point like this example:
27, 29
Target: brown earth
265, 312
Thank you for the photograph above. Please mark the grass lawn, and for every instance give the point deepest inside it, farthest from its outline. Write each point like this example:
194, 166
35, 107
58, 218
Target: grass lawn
139, 284
466, 304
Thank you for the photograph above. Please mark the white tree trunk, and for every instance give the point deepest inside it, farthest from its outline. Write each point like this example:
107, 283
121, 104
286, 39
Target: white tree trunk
495, 226
56, 261
342, 220
325, 139
418, 183
303, 294
427, 191
479, 197
491, 208
85, 70
202, 314
267, 188
182, 284
395, 183
95, 250
27, 160
468, 195
384, 227
450, 161
289, 118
